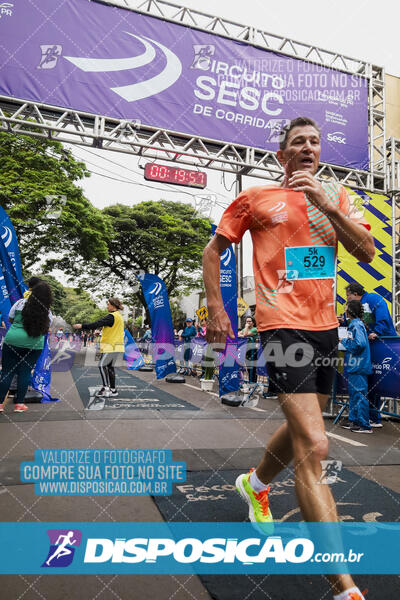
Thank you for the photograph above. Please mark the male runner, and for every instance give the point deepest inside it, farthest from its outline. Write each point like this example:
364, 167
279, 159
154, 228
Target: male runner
295, 229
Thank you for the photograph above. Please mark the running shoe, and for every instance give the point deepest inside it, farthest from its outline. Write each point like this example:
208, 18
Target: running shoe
357, 595
258, 503
104, 391
358, 429
113, 392
20, 408
347, 424
375, 424
1, 407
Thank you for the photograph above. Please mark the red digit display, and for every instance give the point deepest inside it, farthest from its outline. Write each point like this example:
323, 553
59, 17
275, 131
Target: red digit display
175, 175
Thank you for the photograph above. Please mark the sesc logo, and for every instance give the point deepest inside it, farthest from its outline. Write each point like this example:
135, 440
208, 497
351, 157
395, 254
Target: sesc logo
226, 257
6, 236
156, 289
338, 137
136, 90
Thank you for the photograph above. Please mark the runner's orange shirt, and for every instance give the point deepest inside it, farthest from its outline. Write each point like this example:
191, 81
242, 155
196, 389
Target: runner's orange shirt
278, 218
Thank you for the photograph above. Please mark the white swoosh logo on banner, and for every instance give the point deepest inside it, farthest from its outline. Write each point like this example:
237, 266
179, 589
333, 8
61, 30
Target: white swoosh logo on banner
226, 257
142, 89
156, 289
7, 236
104, 65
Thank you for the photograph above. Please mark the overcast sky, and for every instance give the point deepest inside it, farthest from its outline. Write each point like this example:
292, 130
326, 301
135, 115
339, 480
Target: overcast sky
363, 29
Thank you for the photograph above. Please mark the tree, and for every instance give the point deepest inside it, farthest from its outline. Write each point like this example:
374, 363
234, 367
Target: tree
164, 238
177, 314
48, 210
81, 307
59, 306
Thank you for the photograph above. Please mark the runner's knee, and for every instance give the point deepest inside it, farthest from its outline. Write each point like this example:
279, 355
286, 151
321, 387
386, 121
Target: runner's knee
313, 446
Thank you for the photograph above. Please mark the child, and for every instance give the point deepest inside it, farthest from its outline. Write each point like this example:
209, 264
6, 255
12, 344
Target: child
358, 366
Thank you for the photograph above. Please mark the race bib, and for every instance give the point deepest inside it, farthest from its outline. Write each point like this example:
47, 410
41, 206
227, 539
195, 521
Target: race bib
310, 262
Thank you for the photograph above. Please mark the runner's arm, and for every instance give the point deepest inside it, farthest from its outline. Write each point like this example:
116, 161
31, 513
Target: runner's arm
218, 322
357, 240
107, 321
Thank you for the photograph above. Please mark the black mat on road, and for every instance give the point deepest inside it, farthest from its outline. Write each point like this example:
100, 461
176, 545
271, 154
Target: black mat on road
210, 497
133, 393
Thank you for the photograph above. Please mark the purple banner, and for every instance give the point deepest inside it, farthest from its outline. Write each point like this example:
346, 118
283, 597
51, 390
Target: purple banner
111, 61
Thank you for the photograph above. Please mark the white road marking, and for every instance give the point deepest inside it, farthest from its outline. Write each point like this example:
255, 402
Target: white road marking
193, 386
343, 439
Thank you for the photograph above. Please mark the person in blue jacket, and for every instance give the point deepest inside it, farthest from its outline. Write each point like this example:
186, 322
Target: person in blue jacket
379, 323
189, 332
358, 365
376, 312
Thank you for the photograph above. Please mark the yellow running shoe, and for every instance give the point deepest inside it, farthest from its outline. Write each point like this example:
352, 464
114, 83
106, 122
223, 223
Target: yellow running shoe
258, 503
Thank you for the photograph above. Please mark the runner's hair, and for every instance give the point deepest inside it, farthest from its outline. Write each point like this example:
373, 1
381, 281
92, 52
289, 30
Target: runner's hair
35, 313
116, 302
355, 288
32, 281
355, 309
298, 122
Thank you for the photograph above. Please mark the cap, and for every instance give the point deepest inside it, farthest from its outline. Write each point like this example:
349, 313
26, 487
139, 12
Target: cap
189, 319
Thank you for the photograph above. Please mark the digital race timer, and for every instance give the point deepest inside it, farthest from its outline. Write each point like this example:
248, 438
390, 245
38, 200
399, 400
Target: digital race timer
176, 175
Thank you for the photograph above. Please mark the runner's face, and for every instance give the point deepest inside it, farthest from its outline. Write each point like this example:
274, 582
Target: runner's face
303, 149
352, 296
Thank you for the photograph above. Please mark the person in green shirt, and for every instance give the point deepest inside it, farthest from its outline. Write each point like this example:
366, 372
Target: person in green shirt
250, 332
30, 320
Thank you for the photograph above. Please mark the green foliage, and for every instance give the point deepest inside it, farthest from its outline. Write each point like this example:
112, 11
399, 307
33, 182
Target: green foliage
137, 322
100, 249
81, 307
209, 363
59, 306
34, 174
177, 314
165, 238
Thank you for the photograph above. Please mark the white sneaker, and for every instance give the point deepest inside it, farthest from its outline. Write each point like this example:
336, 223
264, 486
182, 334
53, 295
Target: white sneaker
104, 392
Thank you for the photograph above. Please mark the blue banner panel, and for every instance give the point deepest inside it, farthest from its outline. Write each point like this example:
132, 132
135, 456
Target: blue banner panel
156, 296
156, 548
133, 66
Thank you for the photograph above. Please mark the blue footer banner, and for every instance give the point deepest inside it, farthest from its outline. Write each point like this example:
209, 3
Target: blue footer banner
214, 548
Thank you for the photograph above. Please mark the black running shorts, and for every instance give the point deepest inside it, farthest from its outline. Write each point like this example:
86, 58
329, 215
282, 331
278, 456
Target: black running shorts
300, 361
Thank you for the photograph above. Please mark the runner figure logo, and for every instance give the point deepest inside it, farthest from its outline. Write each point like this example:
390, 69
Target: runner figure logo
50, 56
330, 471
275, 127
62, 547
202, 56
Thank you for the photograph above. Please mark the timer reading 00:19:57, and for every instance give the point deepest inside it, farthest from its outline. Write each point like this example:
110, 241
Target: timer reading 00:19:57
175, 175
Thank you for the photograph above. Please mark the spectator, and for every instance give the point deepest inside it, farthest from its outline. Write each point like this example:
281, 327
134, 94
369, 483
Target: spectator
358, 363
202, 328
188, 333
250, 332
32, 281
379, 323
376, 313
30, 320
111, 345
147, 334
